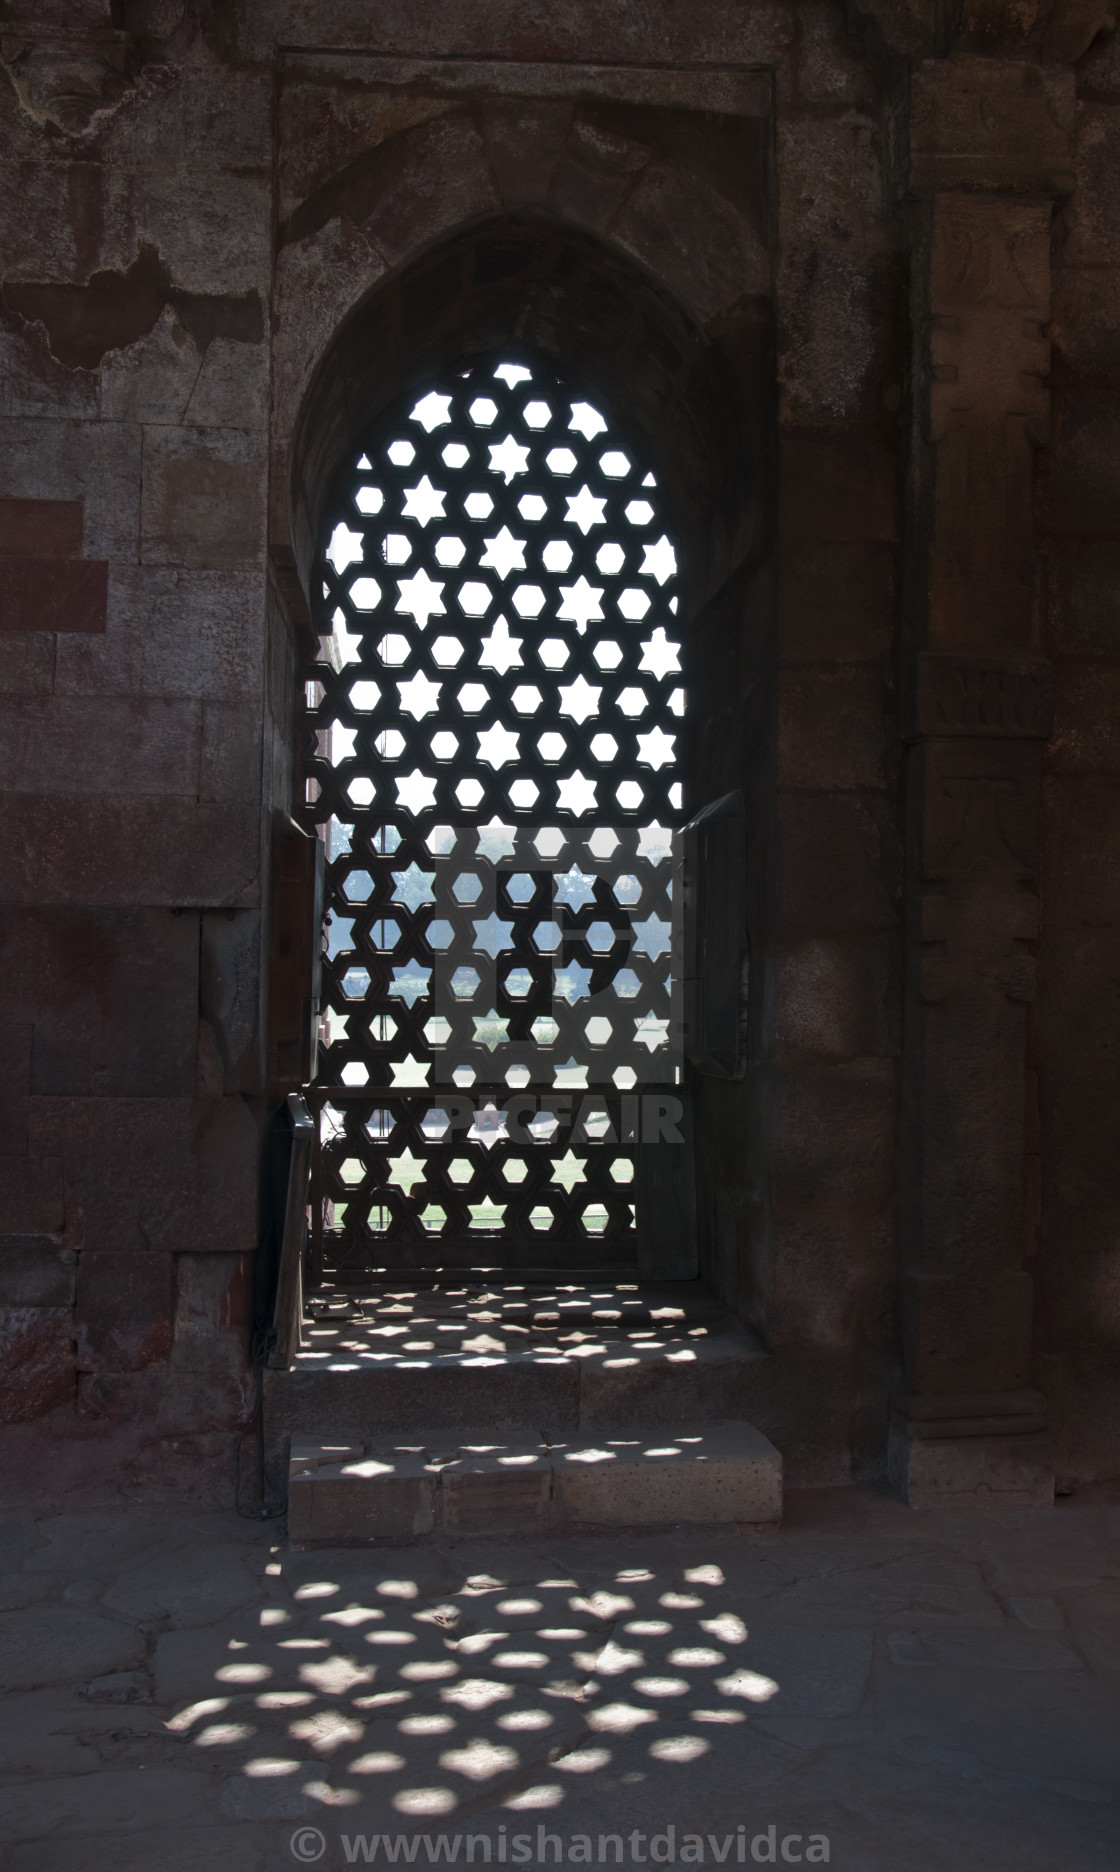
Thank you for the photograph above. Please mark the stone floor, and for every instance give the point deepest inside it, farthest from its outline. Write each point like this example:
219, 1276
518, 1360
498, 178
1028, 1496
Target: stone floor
182, 1690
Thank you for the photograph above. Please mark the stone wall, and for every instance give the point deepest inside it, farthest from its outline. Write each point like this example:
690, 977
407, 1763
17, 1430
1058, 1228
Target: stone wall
854, 212
1075, 1189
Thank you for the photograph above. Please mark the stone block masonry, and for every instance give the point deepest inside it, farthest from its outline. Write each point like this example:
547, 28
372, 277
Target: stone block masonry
851, 273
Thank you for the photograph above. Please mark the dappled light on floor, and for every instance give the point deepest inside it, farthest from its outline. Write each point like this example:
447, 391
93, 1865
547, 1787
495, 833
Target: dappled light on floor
422, 1688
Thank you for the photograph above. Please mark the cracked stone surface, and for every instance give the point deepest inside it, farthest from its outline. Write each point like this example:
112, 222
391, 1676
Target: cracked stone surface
183, 1688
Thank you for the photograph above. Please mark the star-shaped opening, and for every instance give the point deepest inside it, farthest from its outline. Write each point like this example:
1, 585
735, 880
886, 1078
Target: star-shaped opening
419, 695
416, 791
569, 1170
414, 887
575, 888
406, 1170
656, 749
492, 935
651, 1032
655, 842
345, 548
581, 603
410, 1072
500, 651
420, 596
432, 411
491, 1030
585, 510
659, 656
496, 841
576, 794
423, 502
579, 699
508, 458
652, 937
497, 745
572, 983
504, 554
411, 982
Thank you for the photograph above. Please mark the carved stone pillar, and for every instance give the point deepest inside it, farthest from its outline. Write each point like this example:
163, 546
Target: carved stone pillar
989, 149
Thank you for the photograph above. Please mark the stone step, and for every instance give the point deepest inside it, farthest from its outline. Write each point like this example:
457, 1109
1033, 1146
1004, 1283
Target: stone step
513, 1310
361, 1492
362, 1389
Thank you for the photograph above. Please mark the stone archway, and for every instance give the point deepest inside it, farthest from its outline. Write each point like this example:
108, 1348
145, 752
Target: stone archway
564, 295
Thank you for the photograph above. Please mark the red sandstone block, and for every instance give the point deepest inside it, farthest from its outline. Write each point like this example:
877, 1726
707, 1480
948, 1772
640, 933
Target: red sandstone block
1078, 1015
168, 1403
832, 728
155, 1174
14, 1114
53, 595
113, 995
834, 1281
836, 603
1086, 735
213, 1298
123, 1312
230, 764
1080, 839
692, 237
95, 462
203, 500
37, 1274
36, 1361
838, 998
834, 1139
433, 178
1092, 215
840, 861
104, 744
27, 661
837, 488
41, 529
1084, 330
1081, 486
171, 632
1085, 595
1080, 1102
117, 848
31, 1195
15, 1052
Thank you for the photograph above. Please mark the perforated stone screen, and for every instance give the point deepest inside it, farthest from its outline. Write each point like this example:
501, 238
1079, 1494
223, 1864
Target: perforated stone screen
495, 766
